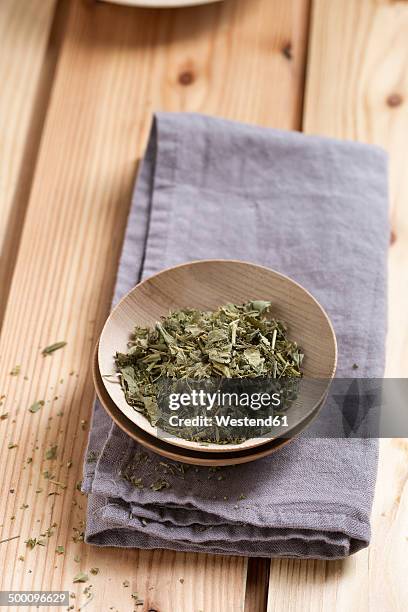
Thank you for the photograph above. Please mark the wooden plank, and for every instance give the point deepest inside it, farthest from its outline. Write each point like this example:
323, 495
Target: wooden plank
116, 66
357, 85
26, 62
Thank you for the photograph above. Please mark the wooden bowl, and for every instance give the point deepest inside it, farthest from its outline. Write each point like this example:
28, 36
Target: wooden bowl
206, 285
186, 455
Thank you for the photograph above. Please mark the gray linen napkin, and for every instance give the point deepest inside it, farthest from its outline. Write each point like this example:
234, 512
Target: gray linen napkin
315, 209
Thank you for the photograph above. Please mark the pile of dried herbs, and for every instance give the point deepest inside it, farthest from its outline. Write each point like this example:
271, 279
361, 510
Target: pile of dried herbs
231, 342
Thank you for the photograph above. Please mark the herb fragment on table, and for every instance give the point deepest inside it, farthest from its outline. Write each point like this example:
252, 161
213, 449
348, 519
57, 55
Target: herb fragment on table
33, 542
138, 601
51, 453
12, 445
58, 484
94, 571
10, 539
355, 366
4, 416
15, 371
126, 583
78, 535
49, 531
53, 347
48, 475
60, 550
80, 577
36, 406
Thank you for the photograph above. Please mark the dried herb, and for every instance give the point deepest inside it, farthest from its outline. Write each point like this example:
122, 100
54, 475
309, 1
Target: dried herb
36, 406
58, 484
33, 542
60, 550
49, 531
9, 539
53, 347
4, 416
232, 342
51, 453
92, 456
138, 601
48, 475
80, 577
94, 571
159, 485
12, 445
16, 370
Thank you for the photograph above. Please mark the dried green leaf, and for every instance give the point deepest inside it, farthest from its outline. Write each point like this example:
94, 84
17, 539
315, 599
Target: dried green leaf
80, 577
159, 485
51, 453
33, 542
36, 406
53, 347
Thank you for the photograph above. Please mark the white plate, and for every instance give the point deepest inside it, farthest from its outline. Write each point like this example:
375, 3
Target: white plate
160, 3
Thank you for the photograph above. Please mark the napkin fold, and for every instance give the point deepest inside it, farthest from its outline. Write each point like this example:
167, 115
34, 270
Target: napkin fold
314, 209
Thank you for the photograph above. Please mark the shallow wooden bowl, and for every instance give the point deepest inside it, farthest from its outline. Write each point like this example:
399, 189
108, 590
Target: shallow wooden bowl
206, 285
187, 455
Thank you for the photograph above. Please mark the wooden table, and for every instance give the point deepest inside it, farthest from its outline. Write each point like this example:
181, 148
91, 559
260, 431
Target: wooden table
79, 82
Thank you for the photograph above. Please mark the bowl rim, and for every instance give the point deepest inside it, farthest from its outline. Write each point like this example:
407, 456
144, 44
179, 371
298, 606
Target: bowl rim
180, 442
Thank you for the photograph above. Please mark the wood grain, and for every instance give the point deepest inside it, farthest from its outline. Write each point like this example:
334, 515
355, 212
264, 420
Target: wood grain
26, 65
239, 59
357, 87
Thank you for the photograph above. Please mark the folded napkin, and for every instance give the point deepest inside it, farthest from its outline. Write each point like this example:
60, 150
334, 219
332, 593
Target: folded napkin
314, 209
